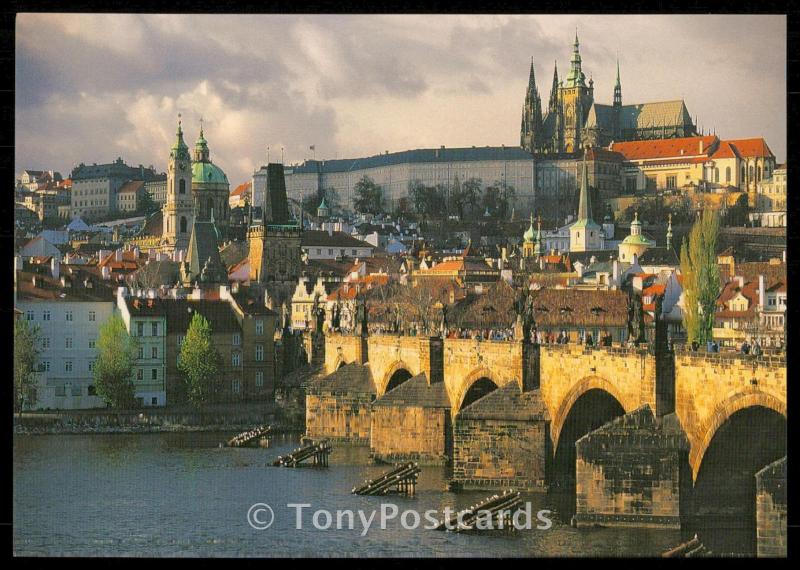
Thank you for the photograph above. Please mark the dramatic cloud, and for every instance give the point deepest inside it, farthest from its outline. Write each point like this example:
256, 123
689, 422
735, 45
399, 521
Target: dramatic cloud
94, 87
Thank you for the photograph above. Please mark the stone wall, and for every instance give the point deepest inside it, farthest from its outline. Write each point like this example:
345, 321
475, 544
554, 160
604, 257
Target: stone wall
468, 360
568, 371
633, 472
712, 387
502, 440
339, 417
344, 349
771, 536
416, 354
409, 432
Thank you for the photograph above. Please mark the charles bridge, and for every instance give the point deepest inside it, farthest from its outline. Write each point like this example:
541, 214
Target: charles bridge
641, 436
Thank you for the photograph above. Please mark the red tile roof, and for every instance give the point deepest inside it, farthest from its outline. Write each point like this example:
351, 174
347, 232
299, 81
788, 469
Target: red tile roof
241, 189
751, 147
663, 148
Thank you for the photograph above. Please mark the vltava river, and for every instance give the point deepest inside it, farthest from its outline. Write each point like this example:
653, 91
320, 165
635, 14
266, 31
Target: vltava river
182, 495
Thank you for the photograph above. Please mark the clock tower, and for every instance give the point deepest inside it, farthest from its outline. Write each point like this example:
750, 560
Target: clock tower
178, 211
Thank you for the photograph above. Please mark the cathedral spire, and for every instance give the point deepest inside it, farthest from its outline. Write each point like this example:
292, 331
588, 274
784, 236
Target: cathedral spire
201, 152
553, 104
576, 78
618, 89
179, 149
531, 115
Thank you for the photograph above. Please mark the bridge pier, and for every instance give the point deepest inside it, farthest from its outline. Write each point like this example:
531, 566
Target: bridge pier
633, 471
771, 539
502, 440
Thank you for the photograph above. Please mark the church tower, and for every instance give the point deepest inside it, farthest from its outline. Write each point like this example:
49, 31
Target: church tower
531, 130
585, 234
210, 188
178, 211
576, 99
617, 124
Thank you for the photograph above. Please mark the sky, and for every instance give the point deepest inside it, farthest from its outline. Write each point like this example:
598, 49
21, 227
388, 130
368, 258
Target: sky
92, 87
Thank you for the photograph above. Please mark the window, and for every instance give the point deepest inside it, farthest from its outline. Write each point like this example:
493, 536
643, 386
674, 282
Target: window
182, 186
354, 252
68, 342
672, 181
67, 366
236, 386
259, 327
154, 329
44, 366
728, 174
319, 251
68, 316
236, 358
154, 352
91, 366
140, 329
237, 339
92, 343
154, 374
259, 378
45, 315
651, 183
330, 251
153, 401
29, 315
91, 390
92, 316
716, 175
183, 223
45, 342
141, 352
259, 352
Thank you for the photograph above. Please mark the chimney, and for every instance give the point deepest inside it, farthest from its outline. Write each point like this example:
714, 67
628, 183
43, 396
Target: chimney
701, 146
106, 272
761, 292
740, 279
55, 267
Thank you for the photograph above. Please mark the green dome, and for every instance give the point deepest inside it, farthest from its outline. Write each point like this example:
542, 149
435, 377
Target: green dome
638, 240
528, 236
208, 172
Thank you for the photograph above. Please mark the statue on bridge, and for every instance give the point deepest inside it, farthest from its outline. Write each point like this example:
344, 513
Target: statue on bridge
636, 331
524, 307
361, 326
318, 310
336, 317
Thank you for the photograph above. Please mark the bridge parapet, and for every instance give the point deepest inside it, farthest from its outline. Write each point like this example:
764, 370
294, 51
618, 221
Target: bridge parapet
416, 354
343, 349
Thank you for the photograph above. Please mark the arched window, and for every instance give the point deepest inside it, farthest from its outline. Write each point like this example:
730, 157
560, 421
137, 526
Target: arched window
182, 186
183, 222
744, 174
752, 173
728, 174
716, 175
759, 174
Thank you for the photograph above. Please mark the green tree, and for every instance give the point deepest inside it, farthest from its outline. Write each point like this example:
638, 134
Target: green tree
471, 193
491, 197
26, 350
457, 198
113, 369
369, 196
701, 281
200, 362
146, 205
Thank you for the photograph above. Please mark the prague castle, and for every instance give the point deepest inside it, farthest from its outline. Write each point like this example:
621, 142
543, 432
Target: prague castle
573, 119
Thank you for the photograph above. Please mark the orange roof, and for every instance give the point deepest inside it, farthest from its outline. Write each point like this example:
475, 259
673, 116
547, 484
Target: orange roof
657, 289
241, 189
751, 147
726, 150
663, 148
451, 265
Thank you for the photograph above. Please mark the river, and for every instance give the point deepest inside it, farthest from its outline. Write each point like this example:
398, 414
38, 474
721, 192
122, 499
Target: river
180, 494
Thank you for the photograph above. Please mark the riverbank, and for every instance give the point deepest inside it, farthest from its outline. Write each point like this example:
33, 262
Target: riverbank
222, 417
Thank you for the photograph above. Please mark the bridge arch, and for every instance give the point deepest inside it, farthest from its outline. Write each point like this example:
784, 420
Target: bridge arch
722, 413
477, 384
395, 375
574, 394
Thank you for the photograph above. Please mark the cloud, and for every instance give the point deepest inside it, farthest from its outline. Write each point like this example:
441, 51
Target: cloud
91, 87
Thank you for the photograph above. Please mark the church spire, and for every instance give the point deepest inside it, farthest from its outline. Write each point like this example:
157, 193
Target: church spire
201, 152
669, 232
537, 249
585, 202
576, 78
179, 149
531, 114
618, 90
553, 104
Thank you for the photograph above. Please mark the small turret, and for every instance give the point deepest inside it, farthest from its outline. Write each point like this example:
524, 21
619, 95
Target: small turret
669, 232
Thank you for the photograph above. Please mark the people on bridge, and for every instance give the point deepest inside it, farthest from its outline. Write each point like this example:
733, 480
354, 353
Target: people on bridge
757, 350
745, 348
589, 340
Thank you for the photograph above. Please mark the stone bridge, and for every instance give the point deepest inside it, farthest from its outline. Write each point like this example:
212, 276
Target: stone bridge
704, 390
